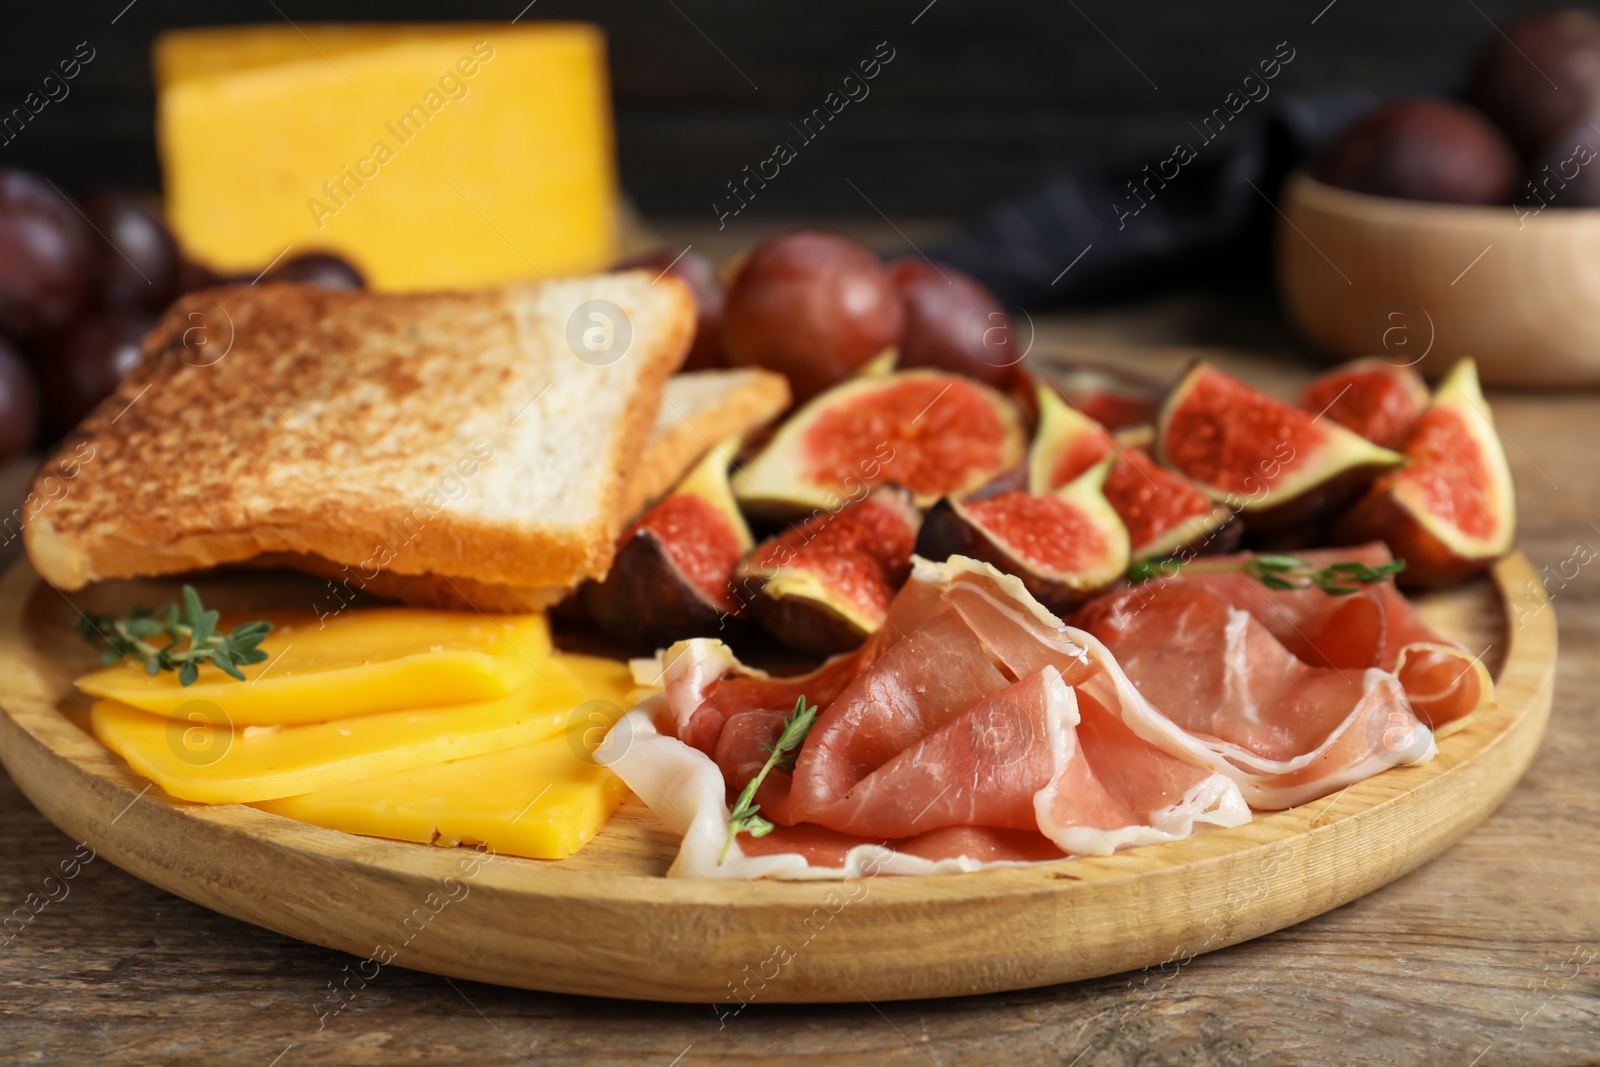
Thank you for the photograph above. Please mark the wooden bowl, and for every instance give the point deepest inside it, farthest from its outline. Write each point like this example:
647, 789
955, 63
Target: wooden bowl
1429, 283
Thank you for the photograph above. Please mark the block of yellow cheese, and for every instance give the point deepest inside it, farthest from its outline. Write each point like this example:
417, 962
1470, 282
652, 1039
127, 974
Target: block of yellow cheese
193, 759
351, 664
433, 156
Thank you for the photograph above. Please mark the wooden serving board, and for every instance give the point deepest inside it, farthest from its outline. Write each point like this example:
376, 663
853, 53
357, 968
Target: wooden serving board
606, 921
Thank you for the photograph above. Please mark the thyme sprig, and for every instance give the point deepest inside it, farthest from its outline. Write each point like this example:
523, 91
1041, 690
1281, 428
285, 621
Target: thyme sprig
1277, 571
191, 635
744, 817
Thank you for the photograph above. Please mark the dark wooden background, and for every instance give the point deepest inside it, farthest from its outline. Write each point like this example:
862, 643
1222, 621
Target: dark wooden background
981, 99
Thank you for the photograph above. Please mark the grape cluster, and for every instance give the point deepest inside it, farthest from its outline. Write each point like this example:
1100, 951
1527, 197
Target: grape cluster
81, 284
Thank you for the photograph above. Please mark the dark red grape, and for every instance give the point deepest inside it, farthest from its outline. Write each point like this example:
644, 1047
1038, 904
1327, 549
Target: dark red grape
194, 275
89, 363
19, 404
46, 259
812, 305
138, 256
317, 268
954, 323
709, 299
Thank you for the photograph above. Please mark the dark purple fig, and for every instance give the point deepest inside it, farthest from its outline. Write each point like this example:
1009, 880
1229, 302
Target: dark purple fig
1422, 149
813, 306
953, 323
1565, 172
709, 297
1539, 75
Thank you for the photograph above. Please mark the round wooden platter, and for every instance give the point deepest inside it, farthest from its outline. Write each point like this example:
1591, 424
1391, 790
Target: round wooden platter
606, 921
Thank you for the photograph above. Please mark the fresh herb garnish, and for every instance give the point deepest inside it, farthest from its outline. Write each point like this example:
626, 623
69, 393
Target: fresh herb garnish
1278, 572
744, 817
191, 636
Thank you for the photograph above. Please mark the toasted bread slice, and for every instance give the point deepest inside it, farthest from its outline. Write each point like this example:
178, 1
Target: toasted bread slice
698, 409
484, 435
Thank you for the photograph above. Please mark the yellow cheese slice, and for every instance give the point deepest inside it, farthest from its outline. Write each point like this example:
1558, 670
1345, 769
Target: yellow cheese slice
438, 156
194, 759
358, 663
542, 801
605, 679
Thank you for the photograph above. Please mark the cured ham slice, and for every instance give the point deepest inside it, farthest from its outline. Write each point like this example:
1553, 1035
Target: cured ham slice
1117, 790
1286, 731
934, 674
706, 685
683, 787
941, 753
1376, 626
1215, 688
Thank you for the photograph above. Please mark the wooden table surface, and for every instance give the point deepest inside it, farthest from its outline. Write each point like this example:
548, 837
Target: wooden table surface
1490, 954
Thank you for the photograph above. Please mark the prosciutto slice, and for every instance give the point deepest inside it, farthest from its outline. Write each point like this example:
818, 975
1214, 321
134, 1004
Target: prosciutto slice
1206, 683
1286, 731
977, 729
1374, 627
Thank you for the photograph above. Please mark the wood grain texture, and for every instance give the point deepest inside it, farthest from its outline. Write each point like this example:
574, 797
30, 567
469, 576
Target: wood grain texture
1362, 274
1486, 954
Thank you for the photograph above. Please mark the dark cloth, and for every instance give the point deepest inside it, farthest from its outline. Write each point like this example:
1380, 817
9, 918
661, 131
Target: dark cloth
1215, 214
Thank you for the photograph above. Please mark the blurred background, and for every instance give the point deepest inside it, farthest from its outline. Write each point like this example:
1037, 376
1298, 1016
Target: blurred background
981, 101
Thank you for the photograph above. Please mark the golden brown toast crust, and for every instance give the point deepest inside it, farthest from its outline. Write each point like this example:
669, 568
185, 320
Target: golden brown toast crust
682, 435
342, 425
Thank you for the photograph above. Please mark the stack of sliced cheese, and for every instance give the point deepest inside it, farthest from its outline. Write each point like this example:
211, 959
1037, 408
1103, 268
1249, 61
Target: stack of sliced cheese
394, 722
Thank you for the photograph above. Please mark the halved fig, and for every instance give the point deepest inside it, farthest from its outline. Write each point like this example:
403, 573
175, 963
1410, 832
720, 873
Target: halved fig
1066, 443
1111, 396
1451, 511
1066, 546
1140, 435
672, 575
1276, 464
824, 586
1375, 398
881, 365
1162, 510
1165, 512
936, 434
